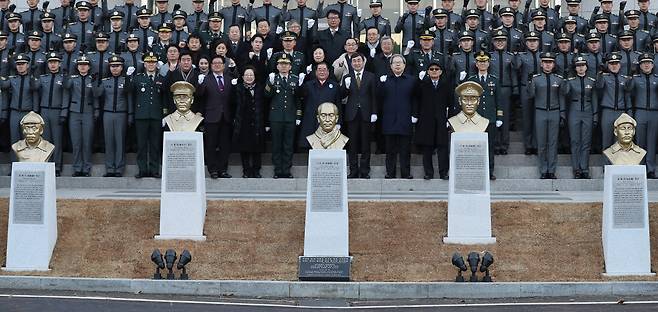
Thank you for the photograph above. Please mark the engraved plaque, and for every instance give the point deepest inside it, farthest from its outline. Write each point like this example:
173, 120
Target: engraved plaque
324, 268
628, 201
181, 166
28, 200
326, 185
470, 167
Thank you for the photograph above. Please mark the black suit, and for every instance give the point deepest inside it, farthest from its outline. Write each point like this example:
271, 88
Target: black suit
361, 104
217, 109
431, 130
333, 45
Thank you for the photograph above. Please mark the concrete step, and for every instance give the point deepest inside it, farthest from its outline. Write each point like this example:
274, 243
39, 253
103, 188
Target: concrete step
501, 171
376, 186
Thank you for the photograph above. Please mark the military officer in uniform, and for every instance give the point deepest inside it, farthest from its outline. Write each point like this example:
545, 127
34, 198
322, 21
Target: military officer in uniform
268, 12
129, 11
21, 96
83, 28
641, 37
614, 98
81, 111
608, 40
549, 113
629, 57
454, 19
573, 7
528, 65
577, 39
99, 59
69, 54
163, 15
50, 40
235, 15
117, 36
594, 55
463, 61
214, 32
305, 16
297, 58
197, 20
31, 16
647, 20
644, 88
144, 32
490, 102
377, 20
64, 14
419, 59
5, 65
581, 100
446, 38
504, 68
51, 97
148, 91
118, 114
473, 24
564, 56
285, 113
132, 56
546, 37
179, 35
15, 38
411, 23
37, 57
514, 37
613, 19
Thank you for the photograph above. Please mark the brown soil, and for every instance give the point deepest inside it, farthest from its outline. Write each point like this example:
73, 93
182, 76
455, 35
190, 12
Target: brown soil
390, 241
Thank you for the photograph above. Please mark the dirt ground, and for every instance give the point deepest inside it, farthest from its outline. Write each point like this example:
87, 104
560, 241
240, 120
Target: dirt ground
390, 241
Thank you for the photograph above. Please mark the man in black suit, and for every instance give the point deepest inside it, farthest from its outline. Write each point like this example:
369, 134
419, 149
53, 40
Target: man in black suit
332, 39
215, 93
358, 115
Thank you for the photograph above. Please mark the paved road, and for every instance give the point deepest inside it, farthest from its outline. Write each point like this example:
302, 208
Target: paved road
18, 302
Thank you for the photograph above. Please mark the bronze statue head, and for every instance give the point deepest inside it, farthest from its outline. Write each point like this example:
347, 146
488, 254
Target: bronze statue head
469, 97
183, 93
327, 116
32, 126
625, 129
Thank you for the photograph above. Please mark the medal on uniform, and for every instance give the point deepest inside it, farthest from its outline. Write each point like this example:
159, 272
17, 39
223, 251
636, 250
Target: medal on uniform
143, 89
331, 86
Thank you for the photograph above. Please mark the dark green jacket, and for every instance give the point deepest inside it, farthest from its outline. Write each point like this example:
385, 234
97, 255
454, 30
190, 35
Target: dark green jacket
148, 95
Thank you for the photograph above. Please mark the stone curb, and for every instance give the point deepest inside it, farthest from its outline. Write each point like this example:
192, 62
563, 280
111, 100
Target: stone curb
349, 290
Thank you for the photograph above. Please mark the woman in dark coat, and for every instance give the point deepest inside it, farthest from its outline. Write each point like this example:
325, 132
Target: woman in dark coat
249, 123
434, 97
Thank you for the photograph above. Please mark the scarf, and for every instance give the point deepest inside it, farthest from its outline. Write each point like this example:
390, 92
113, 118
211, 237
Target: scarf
326, 139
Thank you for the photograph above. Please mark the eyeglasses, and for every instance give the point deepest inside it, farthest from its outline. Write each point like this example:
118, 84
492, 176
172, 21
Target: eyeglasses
434, 69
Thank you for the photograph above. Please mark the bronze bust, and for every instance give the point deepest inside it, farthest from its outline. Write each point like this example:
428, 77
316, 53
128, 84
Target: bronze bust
327, 136
624, 151
468, 120
183, 119
33, 148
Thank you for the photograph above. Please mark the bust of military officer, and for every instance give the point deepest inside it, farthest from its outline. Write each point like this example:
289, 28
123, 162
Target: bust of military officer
327, 136
33, 148
468, 120
624, 151
183, 119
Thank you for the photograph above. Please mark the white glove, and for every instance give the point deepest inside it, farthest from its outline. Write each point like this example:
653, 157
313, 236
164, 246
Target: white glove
462, 75
130, 70
164, 122
150, 41
373, 52
271, 76
279, 30
160, 64
201, 77
348, 82
448, 124
311, 22
252, 54
267, 129
359, 12
338, 126
269, 53
373, 118
499, 123
410, 44
309, 69
382, 78
421, 75
193, 66
298, 122
414, 119
231, 64
234, 81
301, 78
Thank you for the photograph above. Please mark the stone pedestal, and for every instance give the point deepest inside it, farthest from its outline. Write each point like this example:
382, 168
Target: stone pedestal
183, 190
625, 226
326, 237
32, 227
469, 197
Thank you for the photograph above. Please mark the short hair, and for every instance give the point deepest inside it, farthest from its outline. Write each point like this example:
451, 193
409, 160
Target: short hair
359, 54
333, 11
217, 56
257, 36
398, 56
372, 27
248, 67
386, 38
322, 63
263, 20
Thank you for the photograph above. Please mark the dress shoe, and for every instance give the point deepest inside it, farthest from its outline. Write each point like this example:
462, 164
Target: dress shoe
288, 176
225, 175
86, 174
389, 177
156, 175
528, 151
534, 151
552, 176
492, 177
58, 173
544, 176
365, 176
140, 175
244, 176
577, 175
353, 175
651, 175
585, 175
444, 177
257, 175
409, 177
428, 177
77, 174
214, 175
503, 152
118, 175
276, 176
108, 175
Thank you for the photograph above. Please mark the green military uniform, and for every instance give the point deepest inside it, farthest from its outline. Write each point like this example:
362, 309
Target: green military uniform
149, 92
160, 48
297, 58
285, 110
208, 36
